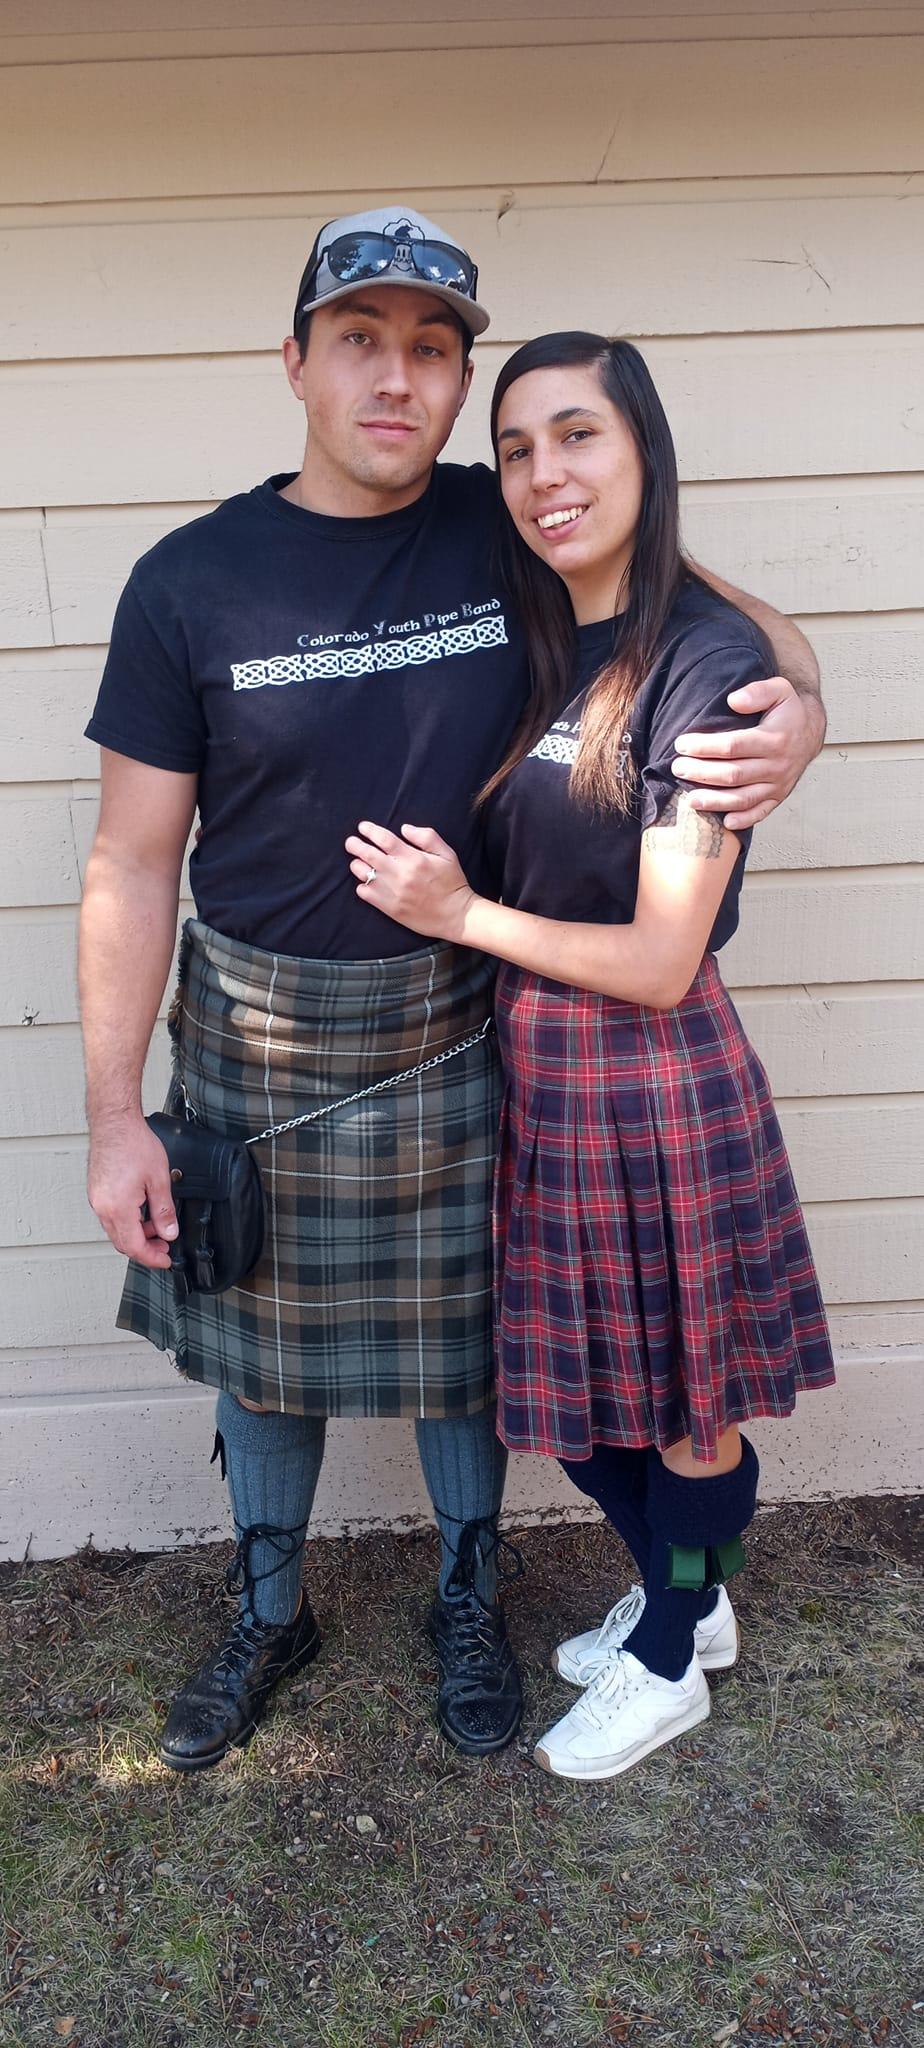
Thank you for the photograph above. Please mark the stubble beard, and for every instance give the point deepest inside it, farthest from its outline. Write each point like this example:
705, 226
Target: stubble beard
388, 470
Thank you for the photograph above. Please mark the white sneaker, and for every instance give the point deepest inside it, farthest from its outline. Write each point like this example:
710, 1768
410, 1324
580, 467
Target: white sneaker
626, 1712
581, 1659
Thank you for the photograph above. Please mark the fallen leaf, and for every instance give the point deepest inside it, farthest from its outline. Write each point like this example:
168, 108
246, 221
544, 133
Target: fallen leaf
66, 2025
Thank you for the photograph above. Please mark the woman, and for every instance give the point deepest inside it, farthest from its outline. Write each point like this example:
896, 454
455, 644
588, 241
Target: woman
654, 1283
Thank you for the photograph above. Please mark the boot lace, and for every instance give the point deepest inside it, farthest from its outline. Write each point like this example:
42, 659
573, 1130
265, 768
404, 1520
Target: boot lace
241, 1577
479, 1542
238, 1649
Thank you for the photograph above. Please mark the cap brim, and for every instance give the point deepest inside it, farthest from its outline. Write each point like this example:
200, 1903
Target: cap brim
470, 313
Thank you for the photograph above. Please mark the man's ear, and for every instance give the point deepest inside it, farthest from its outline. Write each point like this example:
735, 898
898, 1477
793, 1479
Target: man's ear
467, 375
293, 367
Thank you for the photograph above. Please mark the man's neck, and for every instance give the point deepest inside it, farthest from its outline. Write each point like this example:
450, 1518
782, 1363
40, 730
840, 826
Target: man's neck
339, 497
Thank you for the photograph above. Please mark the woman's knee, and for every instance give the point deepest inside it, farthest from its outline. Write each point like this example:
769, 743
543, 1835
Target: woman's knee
680, 1460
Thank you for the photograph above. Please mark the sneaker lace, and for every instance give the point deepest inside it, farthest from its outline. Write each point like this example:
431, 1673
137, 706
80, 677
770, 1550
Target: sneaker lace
621, 1617
610, 1684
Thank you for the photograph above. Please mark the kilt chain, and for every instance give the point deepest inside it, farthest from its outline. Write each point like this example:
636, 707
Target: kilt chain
376, 1088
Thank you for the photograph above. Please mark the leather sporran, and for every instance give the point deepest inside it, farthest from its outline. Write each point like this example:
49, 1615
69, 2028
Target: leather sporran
218, 1198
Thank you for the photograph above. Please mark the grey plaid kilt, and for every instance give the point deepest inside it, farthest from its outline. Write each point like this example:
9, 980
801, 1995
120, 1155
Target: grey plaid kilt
373, 1292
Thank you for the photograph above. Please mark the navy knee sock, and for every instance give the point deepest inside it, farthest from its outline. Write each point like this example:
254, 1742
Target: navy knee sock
617, 1479
465, 1464
690, 1514
271, 1463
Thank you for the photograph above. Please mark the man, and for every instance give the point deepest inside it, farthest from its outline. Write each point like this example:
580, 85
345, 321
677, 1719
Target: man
332, 645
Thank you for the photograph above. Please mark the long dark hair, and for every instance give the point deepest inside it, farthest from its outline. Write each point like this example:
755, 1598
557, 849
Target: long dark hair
603, 773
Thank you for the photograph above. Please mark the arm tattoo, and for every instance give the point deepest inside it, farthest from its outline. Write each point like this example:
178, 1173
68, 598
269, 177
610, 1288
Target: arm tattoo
680, 829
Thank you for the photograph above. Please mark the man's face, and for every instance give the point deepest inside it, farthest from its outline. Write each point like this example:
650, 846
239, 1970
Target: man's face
382, 384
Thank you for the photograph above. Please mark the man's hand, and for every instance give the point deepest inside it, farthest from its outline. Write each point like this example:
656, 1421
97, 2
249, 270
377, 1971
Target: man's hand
128, 1168
746, 774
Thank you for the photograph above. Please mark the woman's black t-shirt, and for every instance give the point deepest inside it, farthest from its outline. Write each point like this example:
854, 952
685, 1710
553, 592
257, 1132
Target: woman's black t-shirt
557, 857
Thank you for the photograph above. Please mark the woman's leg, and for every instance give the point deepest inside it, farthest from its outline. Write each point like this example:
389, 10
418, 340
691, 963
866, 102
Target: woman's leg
693, 1510
617, 1479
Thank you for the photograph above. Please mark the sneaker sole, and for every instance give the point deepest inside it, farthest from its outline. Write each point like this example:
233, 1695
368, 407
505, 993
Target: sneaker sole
174, 1759
613, 1768
719, 1660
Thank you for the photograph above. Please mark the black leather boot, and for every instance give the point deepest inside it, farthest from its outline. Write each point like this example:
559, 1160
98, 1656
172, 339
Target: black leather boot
480, 1700
226, 1700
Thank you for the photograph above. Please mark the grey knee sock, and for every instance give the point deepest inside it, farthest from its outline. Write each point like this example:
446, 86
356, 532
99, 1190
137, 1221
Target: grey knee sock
272, 1464
464, 1464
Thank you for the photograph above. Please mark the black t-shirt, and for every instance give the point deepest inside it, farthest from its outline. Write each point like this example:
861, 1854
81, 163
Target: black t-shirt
315, 671
560, 859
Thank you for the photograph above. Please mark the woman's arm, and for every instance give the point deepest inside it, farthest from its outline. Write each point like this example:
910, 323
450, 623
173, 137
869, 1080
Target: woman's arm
686, 861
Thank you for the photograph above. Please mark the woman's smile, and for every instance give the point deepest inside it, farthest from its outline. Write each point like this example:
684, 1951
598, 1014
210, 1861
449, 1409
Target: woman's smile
547, 521
565, 451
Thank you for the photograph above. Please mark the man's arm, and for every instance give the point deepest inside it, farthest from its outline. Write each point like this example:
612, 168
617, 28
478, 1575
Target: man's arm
127, 935
794, 655
746, 774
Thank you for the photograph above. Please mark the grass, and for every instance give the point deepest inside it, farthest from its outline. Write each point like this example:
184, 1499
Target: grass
756, 1884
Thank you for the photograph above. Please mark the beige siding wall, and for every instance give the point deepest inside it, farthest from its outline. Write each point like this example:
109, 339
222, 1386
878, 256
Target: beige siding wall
739, 190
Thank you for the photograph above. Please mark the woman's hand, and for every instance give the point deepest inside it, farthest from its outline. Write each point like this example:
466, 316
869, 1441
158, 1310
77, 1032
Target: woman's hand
416, 879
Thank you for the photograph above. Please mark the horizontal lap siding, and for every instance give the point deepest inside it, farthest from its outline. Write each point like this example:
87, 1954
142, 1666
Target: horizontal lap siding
747, 208
760, 406
219, 126
771, 262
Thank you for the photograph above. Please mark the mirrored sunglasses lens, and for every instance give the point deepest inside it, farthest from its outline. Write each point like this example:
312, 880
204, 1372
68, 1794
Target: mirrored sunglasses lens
357, 256
443, 266
441, 272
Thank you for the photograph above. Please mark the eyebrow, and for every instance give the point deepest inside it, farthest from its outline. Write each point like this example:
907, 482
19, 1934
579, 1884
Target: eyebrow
558, 419
366, 311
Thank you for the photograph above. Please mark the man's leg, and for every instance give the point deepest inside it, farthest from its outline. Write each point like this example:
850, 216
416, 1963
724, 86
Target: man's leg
480, 1700
272, 1463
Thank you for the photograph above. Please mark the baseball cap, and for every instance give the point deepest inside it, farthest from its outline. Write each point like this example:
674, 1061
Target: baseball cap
390, 245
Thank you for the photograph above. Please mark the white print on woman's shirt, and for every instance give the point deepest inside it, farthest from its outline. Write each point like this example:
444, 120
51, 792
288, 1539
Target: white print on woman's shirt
371, 656
559, 744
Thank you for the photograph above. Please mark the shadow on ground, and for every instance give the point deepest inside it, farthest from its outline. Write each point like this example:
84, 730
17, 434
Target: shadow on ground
349, 1882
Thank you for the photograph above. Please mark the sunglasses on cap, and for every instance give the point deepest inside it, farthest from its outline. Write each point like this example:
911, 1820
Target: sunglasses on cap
354, 259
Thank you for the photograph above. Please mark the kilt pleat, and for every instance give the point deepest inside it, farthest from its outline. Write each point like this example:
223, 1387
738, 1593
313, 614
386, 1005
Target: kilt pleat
653, 1274
373, 1293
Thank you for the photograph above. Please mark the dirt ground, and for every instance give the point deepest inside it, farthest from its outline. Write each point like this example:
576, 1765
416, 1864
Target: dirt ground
348, 1881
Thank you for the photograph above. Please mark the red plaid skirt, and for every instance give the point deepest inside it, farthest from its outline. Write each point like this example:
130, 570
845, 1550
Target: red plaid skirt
653, 1274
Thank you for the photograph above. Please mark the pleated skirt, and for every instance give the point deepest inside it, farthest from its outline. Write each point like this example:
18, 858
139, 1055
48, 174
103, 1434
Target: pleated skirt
653, 1275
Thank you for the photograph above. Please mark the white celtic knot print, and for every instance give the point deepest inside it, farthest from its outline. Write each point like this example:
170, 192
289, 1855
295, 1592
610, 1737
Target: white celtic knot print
558, 746
327, 664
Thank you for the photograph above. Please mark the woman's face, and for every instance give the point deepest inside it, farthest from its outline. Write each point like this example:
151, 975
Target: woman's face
572, 477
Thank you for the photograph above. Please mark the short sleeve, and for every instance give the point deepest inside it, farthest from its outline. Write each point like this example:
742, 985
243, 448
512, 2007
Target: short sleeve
147, 706
694, 698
